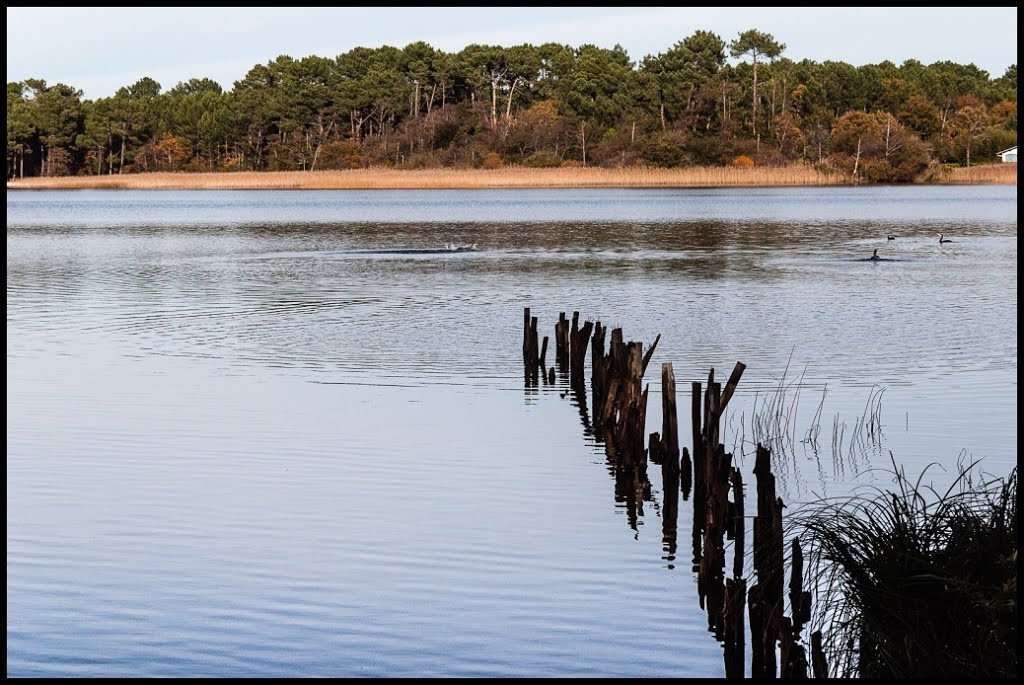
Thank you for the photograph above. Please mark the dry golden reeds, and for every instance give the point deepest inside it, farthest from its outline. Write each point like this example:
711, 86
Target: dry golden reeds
985, 174
505, 177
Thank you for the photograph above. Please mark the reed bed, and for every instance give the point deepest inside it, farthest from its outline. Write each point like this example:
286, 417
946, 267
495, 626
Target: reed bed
505, 177
916, 583
986, 174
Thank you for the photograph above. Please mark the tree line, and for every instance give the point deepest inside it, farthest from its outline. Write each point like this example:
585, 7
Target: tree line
532, 105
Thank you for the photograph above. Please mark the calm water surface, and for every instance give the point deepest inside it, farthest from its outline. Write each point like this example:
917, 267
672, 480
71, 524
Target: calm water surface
280, 433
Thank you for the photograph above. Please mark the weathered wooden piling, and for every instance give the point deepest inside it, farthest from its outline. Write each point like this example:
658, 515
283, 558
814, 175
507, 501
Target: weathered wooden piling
768, 558
669, 419
654, 447
717, 519
735, 641
714, 514
607, 374
762, 661
736, 531
562, 343
818, 662
735, 587
619, 403
698, 463
730, 385
701, 460
711, 578
531, 356
526, 334
632, 408
799, 599
579, 338
650, 353
607, 415
792, 656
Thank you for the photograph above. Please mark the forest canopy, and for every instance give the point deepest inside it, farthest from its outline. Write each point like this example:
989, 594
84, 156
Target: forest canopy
530, 105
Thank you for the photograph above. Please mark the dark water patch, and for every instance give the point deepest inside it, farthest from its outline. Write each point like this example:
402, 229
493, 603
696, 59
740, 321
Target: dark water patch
410, 251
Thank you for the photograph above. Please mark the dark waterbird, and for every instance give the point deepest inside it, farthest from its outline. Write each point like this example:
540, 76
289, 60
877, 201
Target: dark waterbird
874, 256
892, 237
943, 240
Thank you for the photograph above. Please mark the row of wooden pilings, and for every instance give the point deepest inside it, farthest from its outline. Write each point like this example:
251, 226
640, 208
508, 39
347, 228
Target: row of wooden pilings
619, 408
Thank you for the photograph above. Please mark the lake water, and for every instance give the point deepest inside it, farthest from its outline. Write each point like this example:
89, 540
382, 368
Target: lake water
283, 433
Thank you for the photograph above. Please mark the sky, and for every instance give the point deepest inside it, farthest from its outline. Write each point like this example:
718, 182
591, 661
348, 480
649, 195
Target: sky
99, 49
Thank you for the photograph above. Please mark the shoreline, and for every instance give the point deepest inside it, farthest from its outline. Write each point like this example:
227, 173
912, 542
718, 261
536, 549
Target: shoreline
502, 178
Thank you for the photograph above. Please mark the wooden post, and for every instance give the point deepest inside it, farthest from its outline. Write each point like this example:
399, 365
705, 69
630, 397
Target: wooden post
793, 657
531, 355
669, 419
526, 334
776, 578
654, 446
562, 343
818, 662
632, 407
738, 524
730, 386
650, 353
610, 402
572, 340
698, 475
532, 363
712, 415
711, 579
578, 348
758, 667
768, 558
735, 603
799, 599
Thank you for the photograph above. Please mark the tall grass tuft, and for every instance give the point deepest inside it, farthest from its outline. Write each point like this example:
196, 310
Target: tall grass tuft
911, 582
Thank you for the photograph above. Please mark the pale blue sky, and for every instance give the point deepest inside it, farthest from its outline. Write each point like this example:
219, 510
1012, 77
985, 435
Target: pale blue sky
100, 49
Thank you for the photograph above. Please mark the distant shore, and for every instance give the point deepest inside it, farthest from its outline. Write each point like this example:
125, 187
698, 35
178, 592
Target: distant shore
505, 177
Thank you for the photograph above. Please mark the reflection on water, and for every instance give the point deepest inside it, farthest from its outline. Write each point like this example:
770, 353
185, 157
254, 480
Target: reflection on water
279, 433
